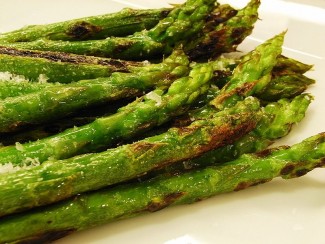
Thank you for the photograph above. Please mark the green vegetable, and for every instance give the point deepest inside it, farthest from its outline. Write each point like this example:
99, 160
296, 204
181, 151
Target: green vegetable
286, 85
56, 180
96, 208
59, 67
287, 77
63, 99
276, 122
38, 132
226, 36
122, 23
277, 119
293, 65
252, 74
156, 108
82, 117
181, 23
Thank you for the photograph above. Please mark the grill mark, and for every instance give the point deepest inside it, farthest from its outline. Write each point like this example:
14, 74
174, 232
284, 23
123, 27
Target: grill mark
83, 30
119, 65
154, 206
243, 185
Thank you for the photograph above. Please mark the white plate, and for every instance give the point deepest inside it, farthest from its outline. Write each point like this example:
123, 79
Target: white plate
281, 211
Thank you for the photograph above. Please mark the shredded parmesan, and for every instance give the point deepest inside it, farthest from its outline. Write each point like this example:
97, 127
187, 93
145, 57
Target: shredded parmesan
19, 146
155, 97
6, 76
6, 168
31, 161
10, 168
42, 78
145, 62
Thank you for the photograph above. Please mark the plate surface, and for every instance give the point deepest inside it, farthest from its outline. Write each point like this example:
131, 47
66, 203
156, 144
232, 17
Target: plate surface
281, 211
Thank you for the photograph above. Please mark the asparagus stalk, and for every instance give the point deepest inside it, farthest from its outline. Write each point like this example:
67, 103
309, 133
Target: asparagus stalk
75, 68
276, 122
64, 67
219, 15
277, 119
288, 80
82, 117
65, 178
44, 130
14, 156
14, 86
107, 205
180, 24
286, 85
122, 23
288, 72
253, 68
281, 73
156, 108
59, 67
252, 74
289, 64
62, 99
227, 35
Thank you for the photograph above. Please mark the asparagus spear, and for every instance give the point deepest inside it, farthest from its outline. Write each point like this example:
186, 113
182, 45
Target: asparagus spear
96, 208
286, 85
62, 99
155, 109
276, 122
287, 76
281, 73
288, 80
75, 67
252, 74
12, 87
59, 67
65, 178
289, 64
277, 119
122, 23
82, 117
44, 130
227, 35
64, 67
180, 24
283, 86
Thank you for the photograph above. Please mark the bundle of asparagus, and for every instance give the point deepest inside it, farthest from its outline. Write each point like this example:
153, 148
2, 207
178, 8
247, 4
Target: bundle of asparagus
180, 124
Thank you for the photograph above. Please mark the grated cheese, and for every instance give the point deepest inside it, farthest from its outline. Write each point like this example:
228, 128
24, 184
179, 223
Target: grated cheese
6, 76
155, 97
19, 146
42, 78
10, 168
